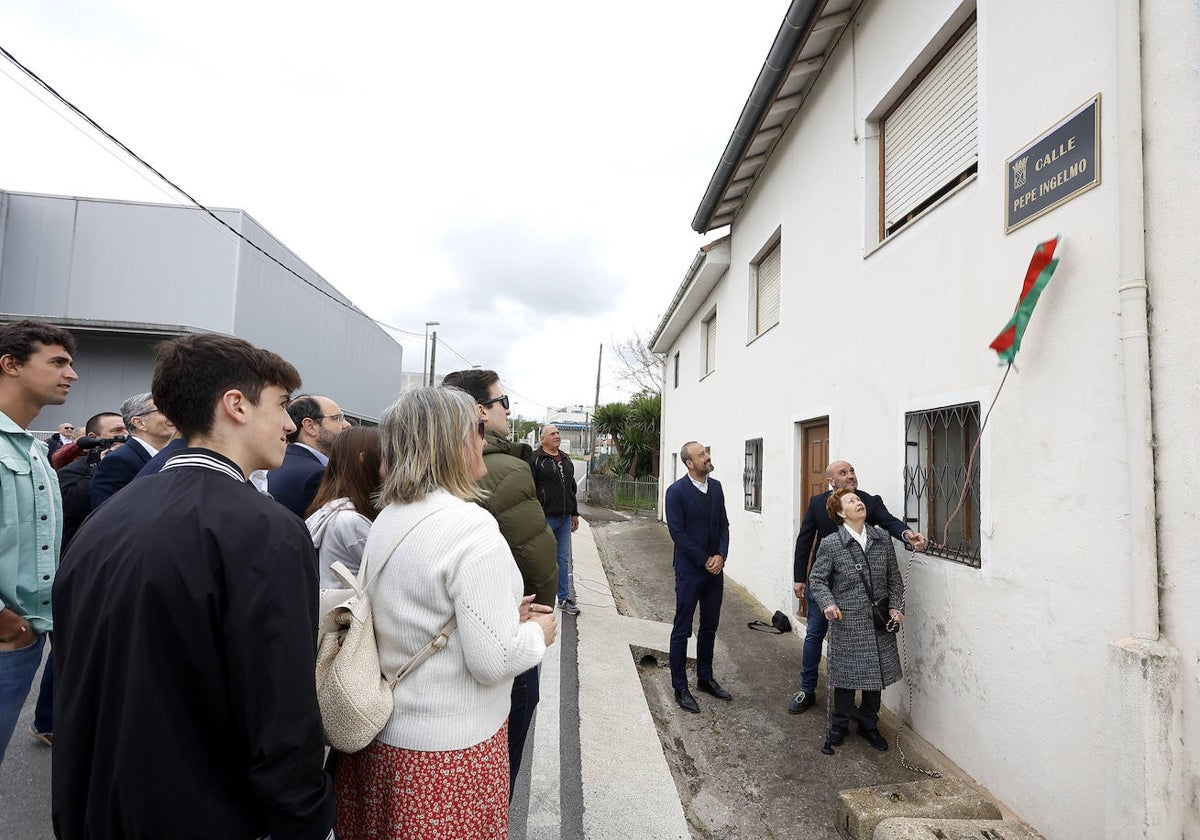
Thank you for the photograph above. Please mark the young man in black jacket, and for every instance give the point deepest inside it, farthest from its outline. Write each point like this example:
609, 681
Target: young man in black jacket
554, 476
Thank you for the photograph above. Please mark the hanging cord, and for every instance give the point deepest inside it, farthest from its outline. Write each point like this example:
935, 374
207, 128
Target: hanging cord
912, 554
933, 774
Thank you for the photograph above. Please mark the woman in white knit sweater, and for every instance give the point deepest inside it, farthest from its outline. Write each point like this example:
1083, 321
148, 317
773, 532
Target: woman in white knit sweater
440, 766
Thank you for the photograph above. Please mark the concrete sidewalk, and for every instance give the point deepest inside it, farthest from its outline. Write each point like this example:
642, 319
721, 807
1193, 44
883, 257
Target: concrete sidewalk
742, 769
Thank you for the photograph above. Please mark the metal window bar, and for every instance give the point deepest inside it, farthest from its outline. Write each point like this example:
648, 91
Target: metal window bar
938, 448
752, 475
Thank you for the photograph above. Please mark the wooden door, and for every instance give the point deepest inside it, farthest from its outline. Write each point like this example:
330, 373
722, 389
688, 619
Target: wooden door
814, 458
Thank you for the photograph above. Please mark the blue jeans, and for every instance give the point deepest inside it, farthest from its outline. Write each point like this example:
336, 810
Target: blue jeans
17, 670
818, 626
561, 526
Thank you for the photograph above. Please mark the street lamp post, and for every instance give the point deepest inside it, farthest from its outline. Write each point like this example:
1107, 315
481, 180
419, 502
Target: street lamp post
425, 349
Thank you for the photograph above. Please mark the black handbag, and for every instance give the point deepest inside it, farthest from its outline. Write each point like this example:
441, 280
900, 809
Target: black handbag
880, 607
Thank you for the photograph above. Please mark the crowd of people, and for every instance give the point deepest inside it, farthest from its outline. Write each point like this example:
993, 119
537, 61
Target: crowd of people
845, 566
174, 561
174, 558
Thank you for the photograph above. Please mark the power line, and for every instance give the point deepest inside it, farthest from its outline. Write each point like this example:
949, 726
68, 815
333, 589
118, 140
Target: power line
78, 112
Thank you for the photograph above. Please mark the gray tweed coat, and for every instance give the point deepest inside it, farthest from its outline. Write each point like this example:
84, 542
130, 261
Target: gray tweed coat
859, 656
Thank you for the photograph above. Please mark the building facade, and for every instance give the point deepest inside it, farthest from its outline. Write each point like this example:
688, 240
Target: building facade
891, 174
124, 275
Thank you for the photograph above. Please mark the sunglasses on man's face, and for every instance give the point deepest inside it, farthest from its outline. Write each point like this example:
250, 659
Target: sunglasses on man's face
503, 400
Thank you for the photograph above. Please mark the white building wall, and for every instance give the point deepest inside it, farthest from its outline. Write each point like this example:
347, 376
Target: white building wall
1009, 662
1171, 106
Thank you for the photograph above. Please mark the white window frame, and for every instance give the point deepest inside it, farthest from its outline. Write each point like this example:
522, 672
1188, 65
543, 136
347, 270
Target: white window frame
758, 323
936, 172
708, 344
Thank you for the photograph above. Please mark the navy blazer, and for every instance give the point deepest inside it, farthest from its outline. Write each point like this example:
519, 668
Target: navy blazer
294, 485
155, 464
698, 524
116, 469
817, 525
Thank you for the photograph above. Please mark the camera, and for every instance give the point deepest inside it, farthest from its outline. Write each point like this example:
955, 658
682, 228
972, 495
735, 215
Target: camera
99, 444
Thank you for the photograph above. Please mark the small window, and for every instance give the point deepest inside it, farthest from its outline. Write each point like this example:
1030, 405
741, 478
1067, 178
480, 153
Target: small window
941, 500
676, 368
764, 285
929, 139
752, 474
709, 334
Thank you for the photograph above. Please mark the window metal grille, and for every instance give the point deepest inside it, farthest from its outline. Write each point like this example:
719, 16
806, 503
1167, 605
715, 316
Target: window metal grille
938, 446
752, 474
710, 343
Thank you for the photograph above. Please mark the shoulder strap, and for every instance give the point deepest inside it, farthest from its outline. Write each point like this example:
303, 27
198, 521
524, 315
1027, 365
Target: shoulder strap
363, 581
437, 642
858, 567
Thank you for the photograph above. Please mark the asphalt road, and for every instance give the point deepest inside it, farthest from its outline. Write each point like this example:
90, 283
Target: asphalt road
25, 781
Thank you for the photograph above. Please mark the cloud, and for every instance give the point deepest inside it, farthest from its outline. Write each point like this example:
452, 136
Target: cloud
538, 275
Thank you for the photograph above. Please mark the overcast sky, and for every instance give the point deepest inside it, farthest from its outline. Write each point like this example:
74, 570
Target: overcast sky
524, 173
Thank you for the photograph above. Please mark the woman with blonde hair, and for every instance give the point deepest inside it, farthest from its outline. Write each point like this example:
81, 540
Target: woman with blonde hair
439, 768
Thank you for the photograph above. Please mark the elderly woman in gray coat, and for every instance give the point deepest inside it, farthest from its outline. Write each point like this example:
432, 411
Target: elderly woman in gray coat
860, 657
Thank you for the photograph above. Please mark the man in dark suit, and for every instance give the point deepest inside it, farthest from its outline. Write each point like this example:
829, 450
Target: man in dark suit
318, 421
815, 526
149, 431
695, 507
64, 435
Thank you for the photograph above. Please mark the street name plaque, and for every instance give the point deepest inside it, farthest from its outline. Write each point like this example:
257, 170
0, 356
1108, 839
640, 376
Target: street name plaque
1061, 164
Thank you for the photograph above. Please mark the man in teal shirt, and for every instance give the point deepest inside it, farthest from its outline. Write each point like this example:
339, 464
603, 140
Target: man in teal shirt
35, 371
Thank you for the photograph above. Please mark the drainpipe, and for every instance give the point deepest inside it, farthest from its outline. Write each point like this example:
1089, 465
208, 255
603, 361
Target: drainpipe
1135, 335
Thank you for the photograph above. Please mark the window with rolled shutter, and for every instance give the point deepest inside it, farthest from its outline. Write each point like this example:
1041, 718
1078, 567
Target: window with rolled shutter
929, 140
766, 291
710, 343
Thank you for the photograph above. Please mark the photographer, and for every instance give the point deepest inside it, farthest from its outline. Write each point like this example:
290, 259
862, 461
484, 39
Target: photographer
100, 437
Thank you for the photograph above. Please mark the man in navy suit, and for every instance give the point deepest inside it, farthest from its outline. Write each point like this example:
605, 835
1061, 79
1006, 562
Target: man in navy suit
815, 527
149, 431
318, 421
700, 529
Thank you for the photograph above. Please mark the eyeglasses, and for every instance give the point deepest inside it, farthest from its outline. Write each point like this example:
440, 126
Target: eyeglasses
337, 418
147, 413
481, 427
502, 400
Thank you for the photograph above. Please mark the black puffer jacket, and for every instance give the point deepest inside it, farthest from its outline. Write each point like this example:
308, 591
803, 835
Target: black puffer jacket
555, 487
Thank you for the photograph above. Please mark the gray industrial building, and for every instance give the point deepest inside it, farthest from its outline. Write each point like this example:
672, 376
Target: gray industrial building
121, 276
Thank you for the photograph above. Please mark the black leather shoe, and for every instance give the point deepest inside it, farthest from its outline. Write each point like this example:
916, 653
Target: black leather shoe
686, 701
801, 702
873, 738
714, 688
835, 737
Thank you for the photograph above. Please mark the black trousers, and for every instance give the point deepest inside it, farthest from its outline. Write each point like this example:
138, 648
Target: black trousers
706, 591
526, 692
843, 709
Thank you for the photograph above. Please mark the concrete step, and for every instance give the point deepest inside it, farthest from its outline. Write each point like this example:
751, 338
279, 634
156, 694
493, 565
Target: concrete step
860, 810
919, 828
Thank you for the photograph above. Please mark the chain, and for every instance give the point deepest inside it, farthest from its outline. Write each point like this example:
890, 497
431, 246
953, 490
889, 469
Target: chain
933, 774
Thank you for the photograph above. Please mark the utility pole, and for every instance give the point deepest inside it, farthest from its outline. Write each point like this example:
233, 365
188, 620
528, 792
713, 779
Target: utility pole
595, 405
425, 350
432, 359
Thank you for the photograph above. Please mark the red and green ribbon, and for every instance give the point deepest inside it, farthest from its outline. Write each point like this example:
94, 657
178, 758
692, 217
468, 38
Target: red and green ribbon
1041, 269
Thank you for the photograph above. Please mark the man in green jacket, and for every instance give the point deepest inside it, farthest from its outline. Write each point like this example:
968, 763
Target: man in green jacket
512, 499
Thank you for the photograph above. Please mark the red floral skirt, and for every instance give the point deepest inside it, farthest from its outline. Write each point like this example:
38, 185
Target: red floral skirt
388, 793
